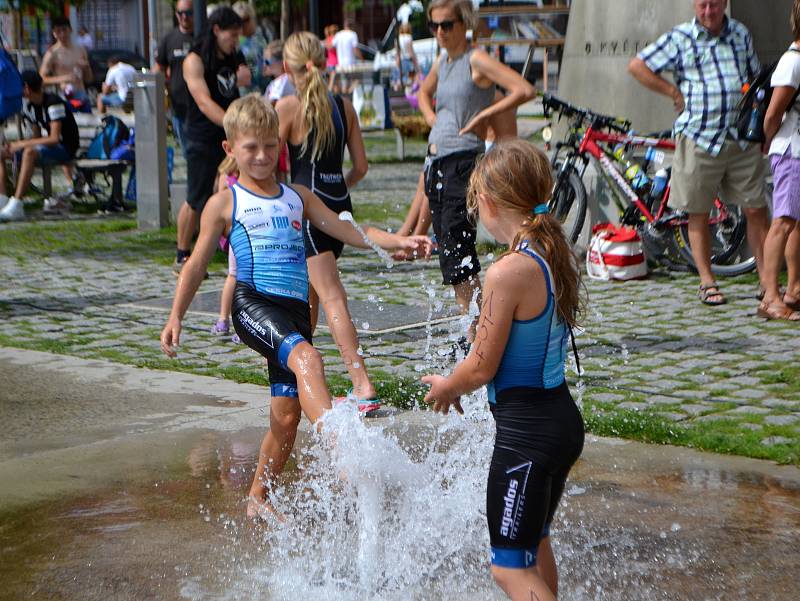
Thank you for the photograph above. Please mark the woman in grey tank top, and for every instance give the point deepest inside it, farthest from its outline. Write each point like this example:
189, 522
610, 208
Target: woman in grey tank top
463, 82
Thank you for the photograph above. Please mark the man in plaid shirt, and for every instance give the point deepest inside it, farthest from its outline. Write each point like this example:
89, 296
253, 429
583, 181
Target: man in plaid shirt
711, 58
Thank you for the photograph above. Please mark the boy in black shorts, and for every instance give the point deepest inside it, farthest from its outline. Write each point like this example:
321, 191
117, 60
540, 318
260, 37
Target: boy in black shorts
270, 305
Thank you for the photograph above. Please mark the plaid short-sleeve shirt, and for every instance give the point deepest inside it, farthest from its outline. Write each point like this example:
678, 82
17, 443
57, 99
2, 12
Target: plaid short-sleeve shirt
710, 72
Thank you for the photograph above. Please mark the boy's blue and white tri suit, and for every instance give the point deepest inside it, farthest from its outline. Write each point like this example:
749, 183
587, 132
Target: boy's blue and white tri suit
539, 433
270, 303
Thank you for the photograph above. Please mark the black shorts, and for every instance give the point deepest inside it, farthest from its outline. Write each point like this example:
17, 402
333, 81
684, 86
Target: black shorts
202, 160
539, 438
317, 241
272, 326
446, 181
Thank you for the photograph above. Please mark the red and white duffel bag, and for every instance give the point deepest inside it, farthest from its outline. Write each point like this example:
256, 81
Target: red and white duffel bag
615, 253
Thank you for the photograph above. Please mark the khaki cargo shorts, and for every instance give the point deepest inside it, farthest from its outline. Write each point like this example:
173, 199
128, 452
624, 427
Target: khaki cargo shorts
735, 175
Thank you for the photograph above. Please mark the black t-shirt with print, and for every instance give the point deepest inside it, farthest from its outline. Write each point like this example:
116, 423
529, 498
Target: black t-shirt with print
220, 78
54, 108
171, 51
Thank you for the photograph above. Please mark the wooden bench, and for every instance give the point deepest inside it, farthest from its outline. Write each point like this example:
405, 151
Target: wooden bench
114, 170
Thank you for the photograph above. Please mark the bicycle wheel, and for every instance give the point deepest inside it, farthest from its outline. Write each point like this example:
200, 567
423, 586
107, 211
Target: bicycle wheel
730, 254
569, 204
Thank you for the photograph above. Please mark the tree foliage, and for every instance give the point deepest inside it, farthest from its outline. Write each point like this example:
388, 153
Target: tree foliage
272, 8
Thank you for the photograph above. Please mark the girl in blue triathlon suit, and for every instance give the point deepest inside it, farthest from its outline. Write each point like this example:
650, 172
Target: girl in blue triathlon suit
531, 300
262, 219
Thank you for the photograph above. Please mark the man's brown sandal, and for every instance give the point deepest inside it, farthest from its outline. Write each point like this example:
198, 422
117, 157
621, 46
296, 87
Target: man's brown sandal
711, 291
777, 313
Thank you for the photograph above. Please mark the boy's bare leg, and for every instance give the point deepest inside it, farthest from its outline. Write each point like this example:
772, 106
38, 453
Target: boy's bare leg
284, 416
28, 164
3, 175
324, 277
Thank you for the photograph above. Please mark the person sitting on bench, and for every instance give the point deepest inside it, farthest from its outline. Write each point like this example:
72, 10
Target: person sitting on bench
47, 114
118, 82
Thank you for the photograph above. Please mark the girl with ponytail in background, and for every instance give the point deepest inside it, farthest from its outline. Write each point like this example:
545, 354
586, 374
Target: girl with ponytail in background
531, 301
317, 125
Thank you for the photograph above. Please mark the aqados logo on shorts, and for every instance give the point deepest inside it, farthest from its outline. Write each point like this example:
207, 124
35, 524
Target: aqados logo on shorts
296, 225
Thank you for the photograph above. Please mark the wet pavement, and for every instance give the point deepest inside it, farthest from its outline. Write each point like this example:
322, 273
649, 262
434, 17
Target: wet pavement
125, 483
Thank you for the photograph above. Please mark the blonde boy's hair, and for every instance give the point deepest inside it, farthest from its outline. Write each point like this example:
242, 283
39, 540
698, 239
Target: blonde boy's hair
250, 114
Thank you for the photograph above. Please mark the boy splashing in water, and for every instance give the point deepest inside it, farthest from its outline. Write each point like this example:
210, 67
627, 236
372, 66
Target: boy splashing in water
263, 221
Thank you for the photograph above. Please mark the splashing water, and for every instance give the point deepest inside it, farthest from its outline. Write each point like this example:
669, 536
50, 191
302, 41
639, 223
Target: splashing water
387, 259
373, 518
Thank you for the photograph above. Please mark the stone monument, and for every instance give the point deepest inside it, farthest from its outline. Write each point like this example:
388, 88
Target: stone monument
603, 35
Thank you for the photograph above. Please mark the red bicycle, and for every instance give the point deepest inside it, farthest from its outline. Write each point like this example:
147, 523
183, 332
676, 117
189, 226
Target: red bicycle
640, 197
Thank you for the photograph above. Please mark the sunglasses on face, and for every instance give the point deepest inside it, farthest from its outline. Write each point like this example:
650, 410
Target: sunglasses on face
445, 26
184, 13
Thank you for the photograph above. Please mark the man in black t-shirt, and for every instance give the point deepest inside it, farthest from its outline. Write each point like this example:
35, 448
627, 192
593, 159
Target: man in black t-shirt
55, 141
169, 60
211, 71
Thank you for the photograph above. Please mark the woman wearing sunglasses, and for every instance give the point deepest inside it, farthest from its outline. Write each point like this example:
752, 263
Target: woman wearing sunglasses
463, 83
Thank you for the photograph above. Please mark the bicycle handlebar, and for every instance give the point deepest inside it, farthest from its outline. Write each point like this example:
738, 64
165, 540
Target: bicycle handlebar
582, 115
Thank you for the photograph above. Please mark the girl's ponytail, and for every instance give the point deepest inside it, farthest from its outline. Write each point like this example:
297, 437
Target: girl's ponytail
517, 175
305, 54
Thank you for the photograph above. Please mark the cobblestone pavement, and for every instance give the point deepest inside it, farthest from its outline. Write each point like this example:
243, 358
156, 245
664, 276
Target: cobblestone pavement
648, 345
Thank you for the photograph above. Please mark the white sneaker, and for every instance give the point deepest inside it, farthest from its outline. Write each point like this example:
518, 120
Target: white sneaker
13, 211
55, 205
3, 200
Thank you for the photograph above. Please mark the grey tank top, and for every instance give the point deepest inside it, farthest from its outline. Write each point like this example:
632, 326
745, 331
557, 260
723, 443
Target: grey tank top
458, 100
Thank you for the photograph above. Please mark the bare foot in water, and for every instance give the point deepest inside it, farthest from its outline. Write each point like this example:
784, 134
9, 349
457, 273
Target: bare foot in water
258, 509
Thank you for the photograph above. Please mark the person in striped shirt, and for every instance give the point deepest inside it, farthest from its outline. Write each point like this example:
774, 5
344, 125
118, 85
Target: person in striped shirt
710, 57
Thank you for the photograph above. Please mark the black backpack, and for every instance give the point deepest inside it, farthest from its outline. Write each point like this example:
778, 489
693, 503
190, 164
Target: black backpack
753, 106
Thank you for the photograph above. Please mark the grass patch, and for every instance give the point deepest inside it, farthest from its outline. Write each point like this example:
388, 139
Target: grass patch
778, 373
725, 436
379, 213
96, 238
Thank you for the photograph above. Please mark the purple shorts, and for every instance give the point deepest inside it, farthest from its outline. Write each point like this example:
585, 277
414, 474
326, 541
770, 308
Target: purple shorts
786, 183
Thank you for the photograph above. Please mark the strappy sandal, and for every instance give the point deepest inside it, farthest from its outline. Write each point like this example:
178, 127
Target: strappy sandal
761, 292
771, 312
709, 291
793, 305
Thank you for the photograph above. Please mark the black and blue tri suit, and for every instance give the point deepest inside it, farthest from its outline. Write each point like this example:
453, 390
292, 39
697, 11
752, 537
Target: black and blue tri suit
539, 433
270, 302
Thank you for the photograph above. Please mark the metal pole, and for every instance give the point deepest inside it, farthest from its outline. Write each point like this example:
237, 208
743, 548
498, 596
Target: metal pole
200, 19
313, 16
152, 197
152, 34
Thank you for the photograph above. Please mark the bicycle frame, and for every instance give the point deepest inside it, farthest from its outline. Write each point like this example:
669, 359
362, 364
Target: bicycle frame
589, 145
